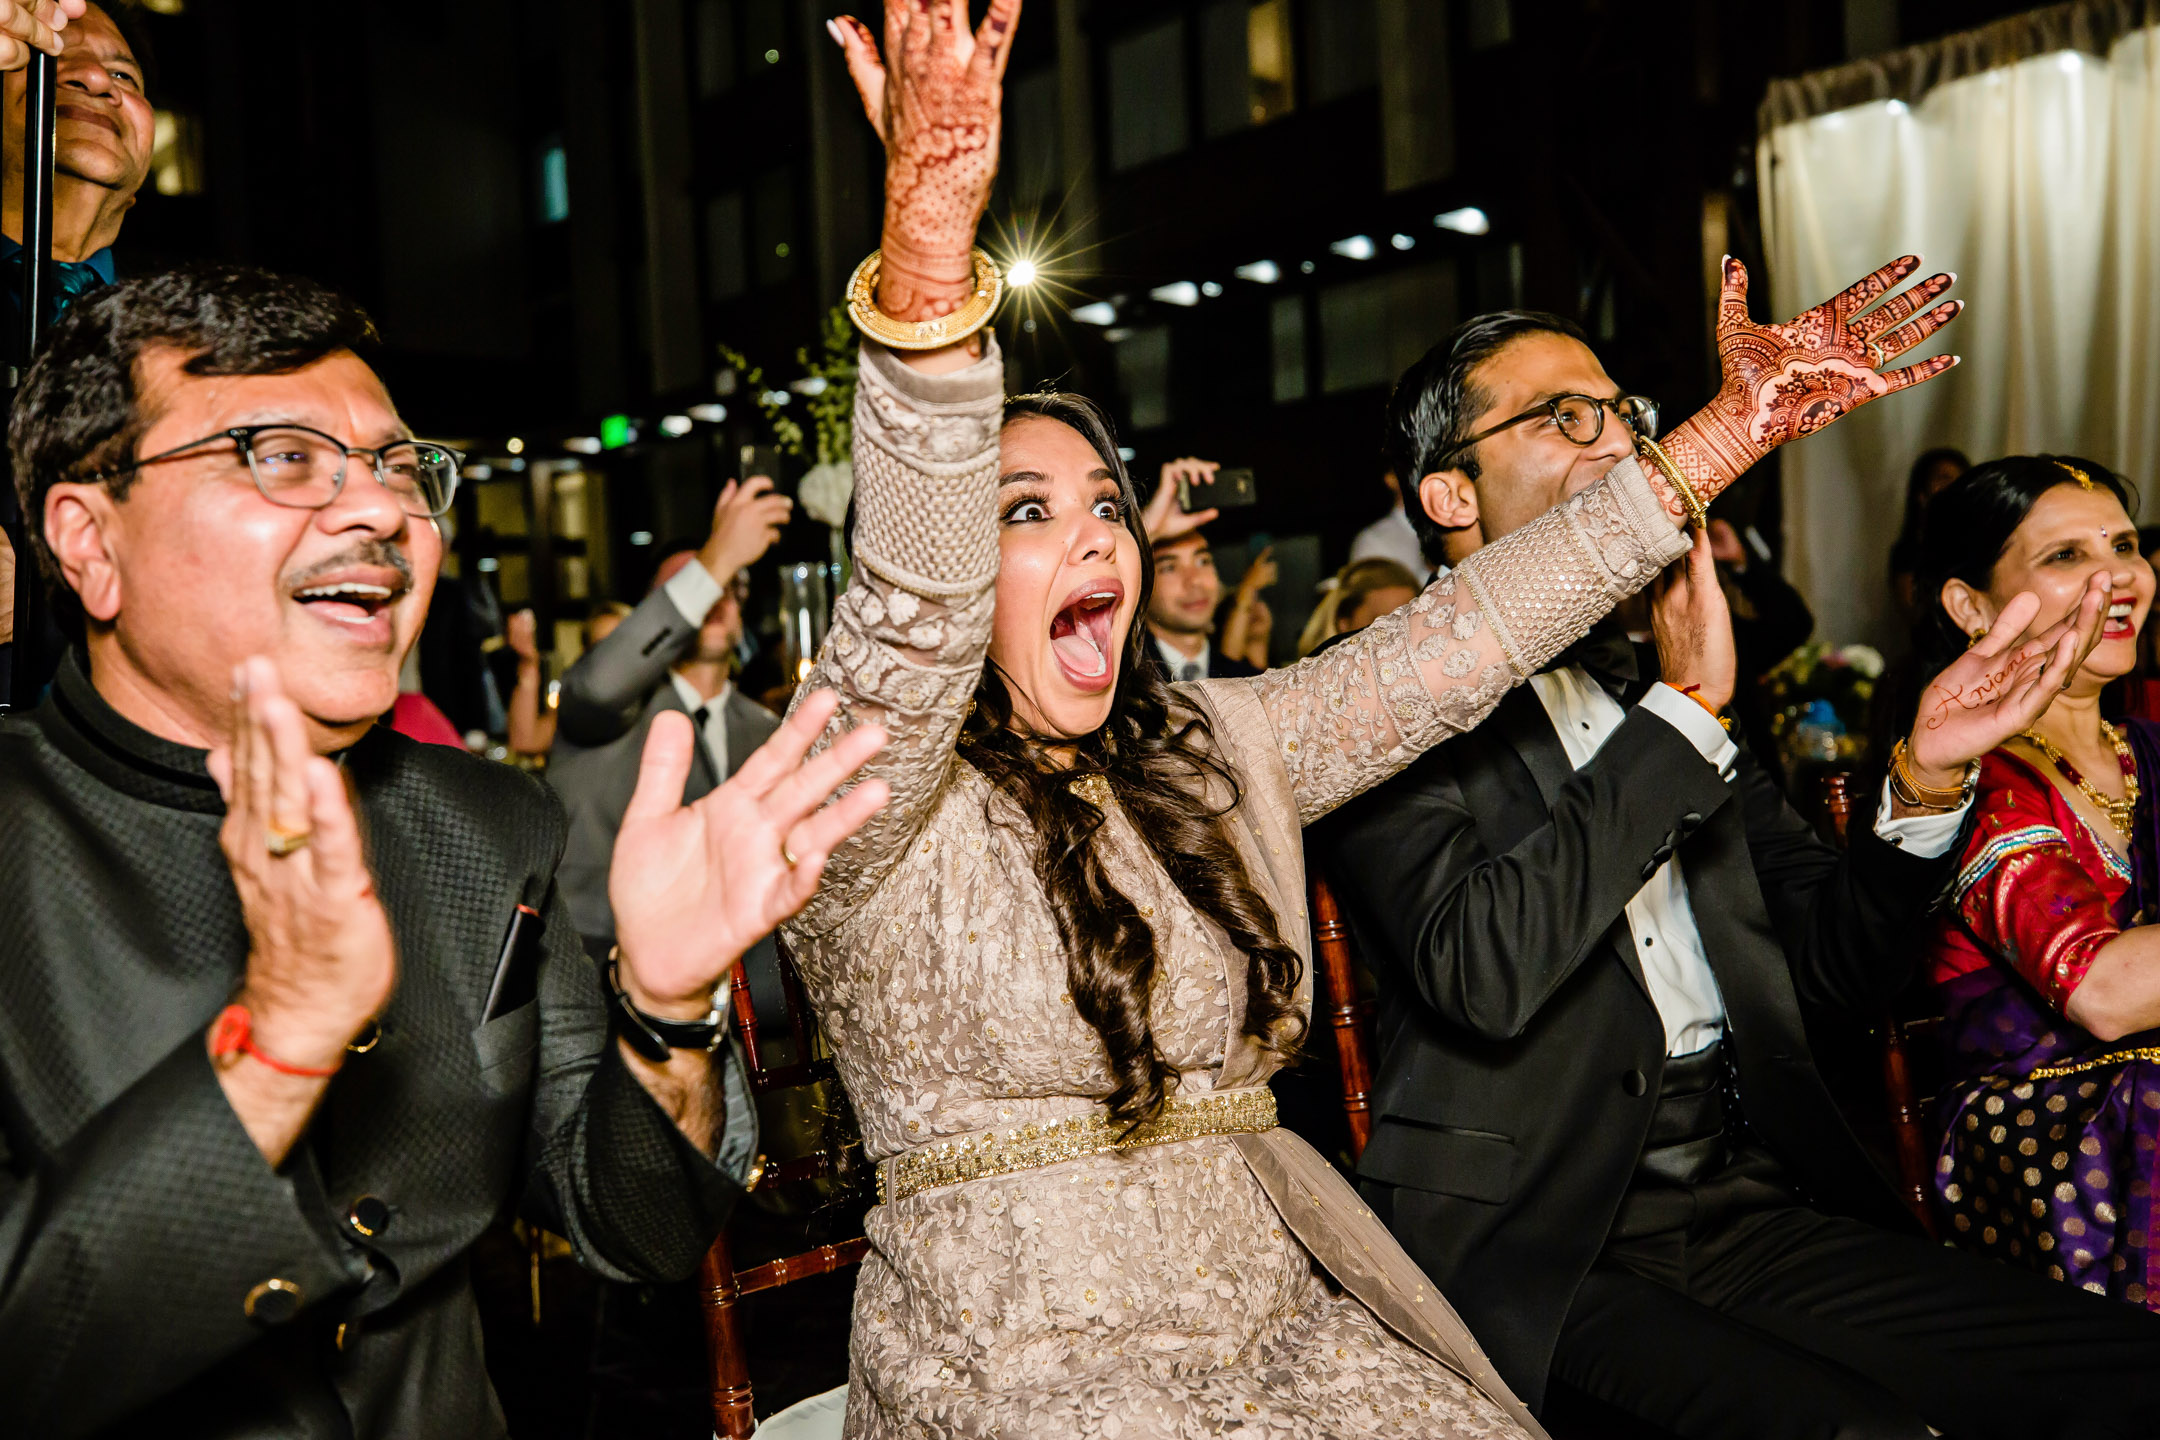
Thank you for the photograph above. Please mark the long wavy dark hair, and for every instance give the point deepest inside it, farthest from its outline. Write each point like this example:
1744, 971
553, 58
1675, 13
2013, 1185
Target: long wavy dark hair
1162, 767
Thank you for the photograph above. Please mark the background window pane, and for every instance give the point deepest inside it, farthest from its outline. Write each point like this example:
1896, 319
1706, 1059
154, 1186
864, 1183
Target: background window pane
772, 220
1344, 56
1373, 330
1225, 67
714, 37
1267, 38
1032, 165
725, 271
1286, 336
1143, 365
1147, 95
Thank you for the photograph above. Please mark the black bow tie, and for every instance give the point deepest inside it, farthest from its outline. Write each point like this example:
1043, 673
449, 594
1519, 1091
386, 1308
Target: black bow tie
1608, 656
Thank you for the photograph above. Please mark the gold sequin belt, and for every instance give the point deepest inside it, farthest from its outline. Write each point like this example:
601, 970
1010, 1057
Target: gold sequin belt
2099, 1062
1244, 1111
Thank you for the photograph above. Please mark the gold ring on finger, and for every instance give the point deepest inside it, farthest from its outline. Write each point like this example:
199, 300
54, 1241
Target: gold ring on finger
787, 854
283, 842
1875, 357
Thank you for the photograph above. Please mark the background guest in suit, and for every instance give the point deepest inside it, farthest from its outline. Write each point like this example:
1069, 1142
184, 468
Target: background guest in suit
675, 652
289, 1013
1392, 536
1181, 611
532, 718
1595, 921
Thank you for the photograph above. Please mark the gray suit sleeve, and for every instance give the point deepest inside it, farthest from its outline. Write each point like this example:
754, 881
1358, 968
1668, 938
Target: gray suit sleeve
605, 691
154, 1222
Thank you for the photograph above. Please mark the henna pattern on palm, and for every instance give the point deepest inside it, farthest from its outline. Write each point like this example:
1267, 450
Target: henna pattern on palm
1785, 381
937, 110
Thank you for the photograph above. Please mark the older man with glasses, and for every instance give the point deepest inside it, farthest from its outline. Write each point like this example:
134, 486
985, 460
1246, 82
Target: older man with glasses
289, 1007
1596, 921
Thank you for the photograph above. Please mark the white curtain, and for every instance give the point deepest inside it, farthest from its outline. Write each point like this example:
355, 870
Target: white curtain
2038, 183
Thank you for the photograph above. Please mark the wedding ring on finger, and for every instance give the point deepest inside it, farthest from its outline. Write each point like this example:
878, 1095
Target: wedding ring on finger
787, 854
283, 842
1875, 357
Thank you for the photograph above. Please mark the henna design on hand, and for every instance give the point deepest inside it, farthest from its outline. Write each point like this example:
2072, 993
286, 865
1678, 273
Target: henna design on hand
1785, 381
937, 110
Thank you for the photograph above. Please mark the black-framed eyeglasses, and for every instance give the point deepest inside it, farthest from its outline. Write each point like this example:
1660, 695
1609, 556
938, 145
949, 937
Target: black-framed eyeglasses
304, 469
1580, 419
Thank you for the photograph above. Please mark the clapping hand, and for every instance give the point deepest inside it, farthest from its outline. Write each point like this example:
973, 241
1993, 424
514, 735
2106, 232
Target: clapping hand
27, 25
1784, 381
2002, 685
1162, 519
695, 886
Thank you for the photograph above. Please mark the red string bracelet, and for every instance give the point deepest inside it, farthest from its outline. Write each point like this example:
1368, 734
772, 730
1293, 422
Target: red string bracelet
1690, 692
233, 1033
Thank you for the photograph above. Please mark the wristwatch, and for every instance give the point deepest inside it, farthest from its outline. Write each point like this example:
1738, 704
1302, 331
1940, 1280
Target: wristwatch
651, 1037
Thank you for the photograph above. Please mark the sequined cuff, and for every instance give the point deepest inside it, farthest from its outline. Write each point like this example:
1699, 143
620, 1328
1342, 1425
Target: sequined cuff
1544, 586
926, 471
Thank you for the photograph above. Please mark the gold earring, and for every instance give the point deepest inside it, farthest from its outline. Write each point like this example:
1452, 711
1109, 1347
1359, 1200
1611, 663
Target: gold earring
1976, 638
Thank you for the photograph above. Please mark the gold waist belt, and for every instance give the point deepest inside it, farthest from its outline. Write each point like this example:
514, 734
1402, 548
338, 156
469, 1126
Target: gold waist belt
1025, 1147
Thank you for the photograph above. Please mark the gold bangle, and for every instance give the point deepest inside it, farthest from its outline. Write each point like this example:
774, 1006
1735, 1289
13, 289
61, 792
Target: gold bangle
1697, 512
973, 314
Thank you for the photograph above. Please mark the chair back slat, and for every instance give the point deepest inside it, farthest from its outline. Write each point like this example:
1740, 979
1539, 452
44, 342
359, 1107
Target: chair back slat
1346, 1011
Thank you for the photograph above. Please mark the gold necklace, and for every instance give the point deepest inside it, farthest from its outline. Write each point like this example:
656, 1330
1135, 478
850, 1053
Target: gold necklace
2119, 812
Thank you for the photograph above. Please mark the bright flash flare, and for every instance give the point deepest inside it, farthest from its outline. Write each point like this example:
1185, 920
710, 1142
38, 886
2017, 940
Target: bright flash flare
1023, 272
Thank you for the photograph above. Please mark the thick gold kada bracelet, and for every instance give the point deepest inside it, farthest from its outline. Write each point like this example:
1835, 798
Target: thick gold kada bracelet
1698, 513
973, 314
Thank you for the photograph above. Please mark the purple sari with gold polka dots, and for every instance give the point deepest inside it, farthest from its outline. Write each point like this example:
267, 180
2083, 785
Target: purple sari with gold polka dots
2050, 1136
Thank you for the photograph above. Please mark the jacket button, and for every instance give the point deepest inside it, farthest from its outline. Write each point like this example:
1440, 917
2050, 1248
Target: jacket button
1689, 821
1663, 852
368, 1217
273, 1302
1635, 1083
1649, 870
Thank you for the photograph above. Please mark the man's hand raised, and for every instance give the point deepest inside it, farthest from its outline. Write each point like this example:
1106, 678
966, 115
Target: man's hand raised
746, 521
695, 886
1162, 519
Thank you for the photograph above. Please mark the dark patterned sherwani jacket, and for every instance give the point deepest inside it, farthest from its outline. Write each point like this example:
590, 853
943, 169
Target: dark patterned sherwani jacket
136, 1216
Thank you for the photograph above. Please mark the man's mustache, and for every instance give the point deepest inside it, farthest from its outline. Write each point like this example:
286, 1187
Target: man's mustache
380, 553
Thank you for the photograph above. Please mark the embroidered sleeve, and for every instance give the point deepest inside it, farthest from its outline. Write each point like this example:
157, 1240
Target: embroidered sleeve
908, 637
2022, 890
1354, 714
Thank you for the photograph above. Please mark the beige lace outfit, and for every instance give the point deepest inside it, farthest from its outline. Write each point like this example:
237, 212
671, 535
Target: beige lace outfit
1231, 1284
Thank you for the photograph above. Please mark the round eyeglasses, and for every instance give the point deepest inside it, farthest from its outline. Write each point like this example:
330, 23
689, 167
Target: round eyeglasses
295, 466
1580, 419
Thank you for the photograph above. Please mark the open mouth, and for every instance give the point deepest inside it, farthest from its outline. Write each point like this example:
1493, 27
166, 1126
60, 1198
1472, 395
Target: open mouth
1080, 634
2118, 625
347, 602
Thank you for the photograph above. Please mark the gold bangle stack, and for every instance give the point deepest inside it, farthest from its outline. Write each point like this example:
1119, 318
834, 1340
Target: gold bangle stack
1907, 790
1698, 513
973, 314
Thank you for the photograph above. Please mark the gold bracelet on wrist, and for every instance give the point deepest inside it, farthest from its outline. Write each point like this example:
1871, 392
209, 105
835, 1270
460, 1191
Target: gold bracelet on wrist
1697, 512
973, 314
1906, 788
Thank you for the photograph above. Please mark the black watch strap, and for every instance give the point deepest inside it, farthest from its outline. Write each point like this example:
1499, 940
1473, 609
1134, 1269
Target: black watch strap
652, 1038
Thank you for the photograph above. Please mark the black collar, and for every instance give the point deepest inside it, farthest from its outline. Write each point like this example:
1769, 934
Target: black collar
83, 726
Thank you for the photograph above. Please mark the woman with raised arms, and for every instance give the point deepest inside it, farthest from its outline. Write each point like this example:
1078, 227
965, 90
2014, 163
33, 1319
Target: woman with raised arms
1060, 965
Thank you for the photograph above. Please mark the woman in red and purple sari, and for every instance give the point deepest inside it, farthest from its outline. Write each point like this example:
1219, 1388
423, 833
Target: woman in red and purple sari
2047, 961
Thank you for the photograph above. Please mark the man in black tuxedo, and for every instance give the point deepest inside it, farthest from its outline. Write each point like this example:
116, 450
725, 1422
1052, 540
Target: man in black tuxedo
290, 1009
1595, 922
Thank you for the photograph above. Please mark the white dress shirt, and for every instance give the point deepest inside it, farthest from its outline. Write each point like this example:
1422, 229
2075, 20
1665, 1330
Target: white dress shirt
1177, 659
1660, 917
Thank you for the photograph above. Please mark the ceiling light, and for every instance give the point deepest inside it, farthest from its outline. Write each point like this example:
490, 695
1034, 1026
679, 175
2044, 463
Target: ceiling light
1127, 454
1177, 292
776, 397
1260, 272
1306, 267
1102, 312
1467, 221
712, 412
1357, 247
641, 537
674, 426
1211, 288
582, 444
514, 445
479, 470
1117, 334
809, 385
1401, 241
